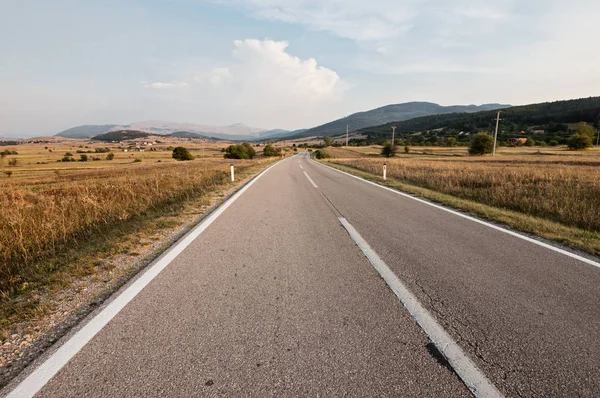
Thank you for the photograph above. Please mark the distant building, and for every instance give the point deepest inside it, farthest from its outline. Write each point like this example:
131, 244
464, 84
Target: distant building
538, 131
517, 141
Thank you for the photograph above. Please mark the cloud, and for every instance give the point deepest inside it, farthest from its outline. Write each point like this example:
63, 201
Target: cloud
162, 86
217, 77
265, 66
358, 20
263, 81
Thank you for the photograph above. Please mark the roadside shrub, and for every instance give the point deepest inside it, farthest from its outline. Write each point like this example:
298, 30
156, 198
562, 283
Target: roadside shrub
181, 153
110, 156
270, 151
321, 154
389, 150
241, 151
481, 143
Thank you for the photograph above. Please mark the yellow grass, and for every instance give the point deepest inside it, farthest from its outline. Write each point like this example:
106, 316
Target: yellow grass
45, 208
560, 189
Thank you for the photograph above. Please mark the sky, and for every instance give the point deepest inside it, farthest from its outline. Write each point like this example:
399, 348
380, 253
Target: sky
286, 64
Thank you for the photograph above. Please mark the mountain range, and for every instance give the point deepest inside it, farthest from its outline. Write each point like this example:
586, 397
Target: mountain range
240, 131
234, 132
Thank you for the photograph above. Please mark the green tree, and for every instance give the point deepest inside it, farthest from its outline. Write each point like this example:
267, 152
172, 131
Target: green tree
583, 137
181, 153
328, 141
389, 150
481, 143
406, 149
83, 158
271, 151
450, 141
240, 151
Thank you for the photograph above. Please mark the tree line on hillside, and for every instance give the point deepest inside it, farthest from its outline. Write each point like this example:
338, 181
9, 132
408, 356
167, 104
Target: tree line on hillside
545, 124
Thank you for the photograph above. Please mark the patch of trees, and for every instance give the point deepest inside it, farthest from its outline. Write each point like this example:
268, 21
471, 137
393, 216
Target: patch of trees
583, 137
181, 153
121, 135
240, 151
481, 144
270, 150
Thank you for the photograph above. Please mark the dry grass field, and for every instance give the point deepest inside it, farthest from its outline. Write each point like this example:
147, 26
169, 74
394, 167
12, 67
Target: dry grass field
550, 184
48, 206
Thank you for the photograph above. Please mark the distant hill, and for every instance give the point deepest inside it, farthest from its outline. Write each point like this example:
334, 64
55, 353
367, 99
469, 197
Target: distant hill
550, 120
389, 113
568, 111
188, 134
233, 132
121, 135
87, 131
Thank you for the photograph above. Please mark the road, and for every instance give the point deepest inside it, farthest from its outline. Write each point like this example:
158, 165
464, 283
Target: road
275, 296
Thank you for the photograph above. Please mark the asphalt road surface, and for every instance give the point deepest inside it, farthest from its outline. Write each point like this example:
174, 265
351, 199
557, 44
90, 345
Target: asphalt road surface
275, 298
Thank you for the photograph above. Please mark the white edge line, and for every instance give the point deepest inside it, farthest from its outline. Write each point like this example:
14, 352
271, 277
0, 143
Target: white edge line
469, 373
310, 179
35, 381
456, 213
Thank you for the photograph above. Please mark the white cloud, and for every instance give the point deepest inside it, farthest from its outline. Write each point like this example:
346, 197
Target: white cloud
358, 20
217, 77
161, 85
264, 82
266, 67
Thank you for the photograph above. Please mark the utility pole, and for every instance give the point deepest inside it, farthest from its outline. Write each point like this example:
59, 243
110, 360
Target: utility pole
496, 134
393, 133
598, 138
346, 136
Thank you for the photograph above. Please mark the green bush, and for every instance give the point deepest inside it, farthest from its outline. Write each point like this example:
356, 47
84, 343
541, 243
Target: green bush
271, 151
389, 150
529, 142
181, 153
137, 160
68, 154
321, 154
583, 137
110, 156
83, 158
328, 141
240, 151
481, 143
579, 141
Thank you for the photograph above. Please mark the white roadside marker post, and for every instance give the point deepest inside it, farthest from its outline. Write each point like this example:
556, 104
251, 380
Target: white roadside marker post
384, 171
232, 173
